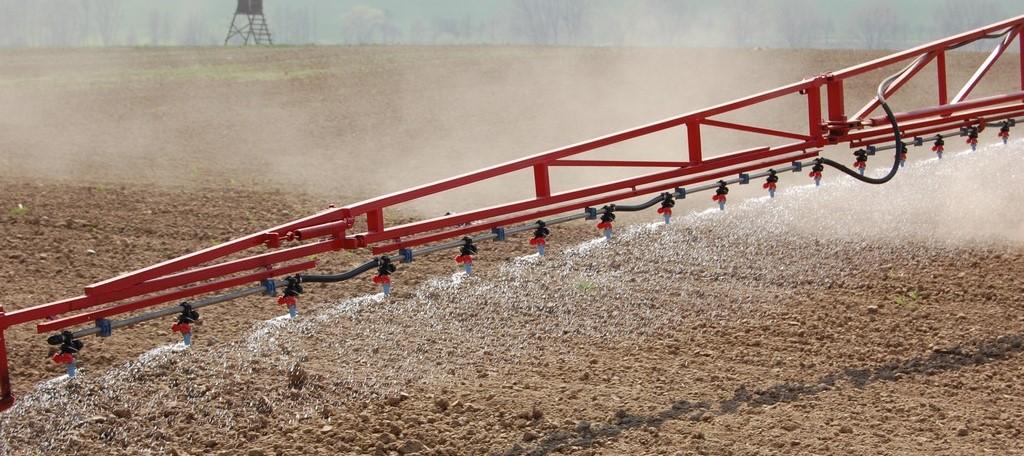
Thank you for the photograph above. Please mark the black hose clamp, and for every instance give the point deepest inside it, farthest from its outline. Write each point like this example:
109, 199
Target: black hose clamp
608, 214
862, 156
292, 286
542, 230
188, 315
385, 267
468, 248
723, 188
67, 342
667, 201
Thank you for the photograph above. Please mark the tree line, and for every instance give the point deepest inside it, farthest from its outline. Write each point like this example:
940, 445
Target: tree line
872, 24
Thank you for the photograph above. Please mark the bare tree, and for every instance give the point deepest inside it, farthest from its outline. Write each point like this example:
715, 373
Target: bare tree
878, 25
133, 37
670, 20
952, 17
551, 21
60, 26
535, 22
83, 26
573, 15
828, 31
165, 27
455, 30
294, 25
364, 25
445, 30
20, 16
800, 23
195, 32
7, 21
155, 25
418, 32
108, 19
744, 18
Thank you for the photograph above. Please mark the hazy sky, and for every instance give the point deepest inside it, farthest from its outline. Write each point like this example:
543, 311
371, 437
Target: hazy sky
744, 23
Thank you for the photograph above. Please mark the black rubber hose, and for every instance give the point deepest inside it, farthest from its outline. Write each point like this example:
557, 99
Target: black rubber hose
641, 206
984, 37
900, 147
329, 278
896, 160
374, 263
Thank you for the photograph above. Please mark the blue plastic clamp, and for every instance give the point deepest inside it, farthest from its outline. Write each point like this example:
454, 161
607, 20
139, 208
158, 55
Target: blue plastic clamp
500, 232
269, 287
406, 255
744, 178
104, 325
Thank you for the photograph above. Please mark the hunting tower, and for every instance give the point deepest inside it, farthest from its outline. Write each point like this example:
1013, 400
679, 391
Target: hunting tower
249, 24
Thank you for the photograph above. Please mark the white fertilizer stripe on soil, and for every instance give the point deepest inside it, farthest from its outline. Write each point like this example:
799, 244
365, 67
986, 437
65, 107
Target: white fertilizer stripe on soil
708, 267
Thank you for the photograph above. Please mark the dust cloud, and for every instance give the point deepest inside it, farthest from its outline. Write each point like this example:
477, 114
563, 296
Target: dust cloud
712, 268
355, 122
967, 198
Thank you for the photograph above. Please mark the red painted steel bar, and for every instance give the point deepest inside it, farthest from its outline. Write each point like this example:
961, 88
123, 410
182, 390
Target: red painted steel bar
575, 149
924, 131
375, 220
231, 267
92, 316
217, 267
6, 393
943, 44
202, 256
593, 202
620, 163
541, 181
336, 229
985, 66
172, 281
836, 107
481, 214
753, 129
940, 68
693, 142
213, 253
374, 208
899, 82
814, 128
975, 118
946, 110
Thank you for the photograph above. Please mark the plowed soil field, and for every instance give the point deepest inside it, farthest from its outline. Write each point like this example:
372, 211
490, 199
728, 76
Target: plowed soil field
844, 319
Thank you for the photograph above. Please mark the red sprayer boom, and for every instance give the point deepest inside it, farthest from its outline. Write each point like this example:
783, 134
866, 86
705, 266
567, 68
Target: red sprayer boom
284, 251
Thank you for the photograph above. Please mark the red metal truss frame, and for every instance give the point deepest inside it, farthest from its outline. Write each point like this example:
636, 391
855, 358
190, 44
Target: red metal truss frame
329, 230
